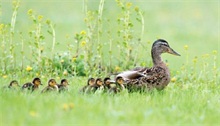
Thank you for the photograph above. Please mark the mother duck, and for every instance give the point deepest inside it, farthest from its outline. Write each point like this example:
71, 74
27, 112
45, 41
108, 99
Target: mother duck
158, 76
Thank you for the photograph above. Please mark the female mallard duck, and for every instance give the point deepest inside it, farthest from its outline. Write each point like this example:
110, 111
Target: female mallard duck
91, 81
34, 85
148, 78
52, 86
119, 86
63, 86
95, 87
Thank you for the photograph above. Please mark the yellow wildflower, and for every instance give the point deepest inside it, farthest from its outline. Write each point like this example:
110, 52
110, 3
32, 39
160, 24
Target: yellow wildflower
129, 4
33, 113
62, 61
136, 9
28, 68
186, 47
83, 32
214, 52
37, 74
117, 68
1, 26
40, 17
30, 12
83, 43
65, 72
71, 105
195, 60
73, 59
65, 107
173, 79
4, 76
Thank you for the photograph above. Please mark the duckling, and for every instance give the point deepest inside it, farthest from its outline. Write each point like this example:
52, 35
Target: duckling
95, 87
63, 86
52, 86
91, 81
13, 84
119, 86
157, 76
34, 85
107, 84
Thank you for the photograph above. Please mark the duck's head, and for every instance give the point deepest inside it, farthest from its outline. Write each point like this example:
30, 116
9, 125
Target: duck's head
91, 81
99, 81
161, 46
64, 82
119, 80
37, 81
52, 82
14, 83
108, 81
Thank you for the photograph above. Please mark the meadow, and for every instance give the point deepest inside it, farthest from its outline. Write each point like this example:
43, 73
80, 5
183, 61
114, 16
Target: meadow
90, 38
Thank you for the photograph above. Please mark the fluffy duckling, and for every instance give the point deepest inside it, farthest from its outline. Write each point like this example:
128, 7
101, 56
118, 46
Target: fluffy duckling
108, 83
14, 84
90, 82
34, 85
95, 87
52, 86
63, 86
119, 86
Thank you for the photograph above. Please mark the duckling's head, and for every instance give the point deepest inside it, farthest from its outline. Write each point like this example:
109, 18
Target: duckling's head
52, 82
108, 81
161, 46
37, 81
64, 82
119, 80
91, 81
99, 81
14, 83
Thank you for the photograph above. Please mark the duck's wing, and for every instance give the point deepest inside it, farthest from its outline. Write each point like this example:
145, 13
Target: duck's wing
129, 75
28, 86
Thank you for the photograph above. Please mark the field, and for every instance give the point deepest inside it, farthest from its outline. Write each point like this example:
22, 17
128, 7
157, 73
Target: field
81, 39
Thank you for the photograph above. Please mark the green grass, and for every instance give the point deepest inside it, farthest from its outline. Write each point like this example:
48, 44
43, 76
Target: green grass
192, 98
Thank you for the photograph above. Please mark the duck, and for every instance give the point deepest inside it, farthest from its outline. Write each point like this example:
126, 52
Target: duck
63, 86
34, 85
119, 81
52, 86
13, 84
90, 81
98, 86
158, 76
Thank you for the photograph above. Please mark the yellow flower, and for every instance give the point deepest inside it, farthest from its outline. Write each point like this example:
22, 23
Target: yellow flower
65, 72
83, 43
1, 26
28, 68
83, 32
214, 52
58, 78
73, 59
195, 60
136, 9
117, 68
62, 61
33, 113
65, 107
173, 79
186, 47
40, 17
129, 4
48, 21
37, 74
30, 12
4, 76
71, 105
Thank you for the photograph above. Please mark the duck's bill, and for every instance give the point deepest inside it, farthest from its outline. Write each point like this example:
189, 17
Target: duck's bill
171, 51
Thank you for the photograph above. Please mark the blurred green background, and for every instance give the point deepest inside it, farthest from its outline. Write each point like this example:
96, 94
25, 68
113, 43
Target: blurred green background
192, 23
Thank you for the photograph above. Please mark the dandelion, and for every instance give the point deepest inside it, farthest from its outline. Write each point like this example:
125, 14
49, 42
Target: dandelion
62, 61
185, 47
117, 68
65, 106
136, 9
195, 59
4, 76
128, 5
29, 68
83, 43
40, 17
173, 79
214, 52
30, 12
73, 59
33, 113
65, 72
37, 74
83, 32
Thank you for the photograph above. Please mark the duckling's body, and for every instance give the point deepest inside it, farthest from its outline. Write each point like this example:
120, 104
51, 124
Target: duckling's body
108, 84
90, 82
34, 85
13, 85
156, 77
63, 86
52, 86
